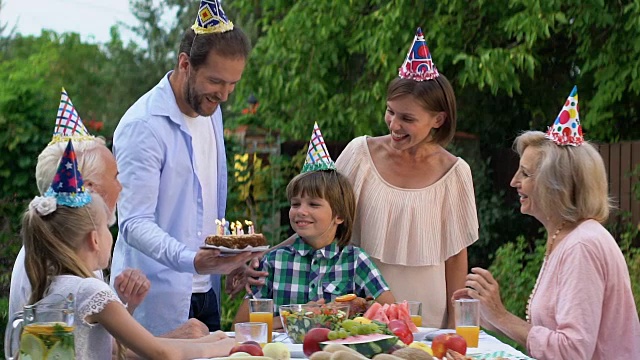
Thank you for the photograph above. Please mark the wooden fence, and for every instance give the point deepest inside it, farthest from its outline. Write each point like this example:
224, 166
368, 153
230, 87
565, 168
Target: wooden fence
620, 160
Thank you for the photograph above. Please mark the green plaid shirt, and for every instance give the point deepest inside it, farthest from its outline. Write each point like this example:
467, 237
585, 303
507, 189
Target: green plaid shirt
299, 274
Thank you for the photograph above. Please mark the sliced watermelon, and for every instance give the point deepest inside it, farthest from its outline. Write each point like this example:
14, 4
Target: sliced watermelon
403, 314
392, 312
373, 309
381, 316
388, 312
367, 345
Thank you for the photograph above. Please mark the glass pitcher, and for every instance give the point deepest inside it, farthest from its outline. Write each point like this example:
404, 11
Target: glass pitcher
43, 330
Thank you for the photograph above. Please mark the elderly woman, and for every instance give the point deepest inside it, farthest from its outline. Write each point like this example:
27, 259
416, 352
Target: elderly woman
582, 306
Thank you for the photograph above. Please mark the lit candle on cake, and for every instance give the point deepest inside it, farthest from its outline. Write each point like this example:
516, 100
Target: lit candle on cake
239, 229
219, 228
249, 226
233, 228
225, 225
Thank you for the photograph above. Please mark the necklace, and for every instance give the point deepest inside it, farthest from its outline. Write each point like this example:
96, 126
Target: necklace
544, 261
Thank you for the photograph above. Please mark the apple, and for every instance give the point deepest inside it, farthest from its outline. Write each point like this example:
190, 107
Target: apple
450, 341
437, 345
251, 349
457, 343
312, 340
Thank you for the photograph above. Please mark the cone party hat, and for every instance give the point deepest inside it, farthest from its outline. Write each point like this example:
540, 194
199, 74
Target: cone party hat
318, 157
68, 125
418, 64
211, 18
67, 186
566, 129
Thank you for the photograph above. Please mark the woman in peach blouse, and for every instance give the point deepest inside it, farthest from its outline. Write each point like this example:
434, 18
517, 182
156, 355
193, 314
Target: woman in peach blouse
416, 211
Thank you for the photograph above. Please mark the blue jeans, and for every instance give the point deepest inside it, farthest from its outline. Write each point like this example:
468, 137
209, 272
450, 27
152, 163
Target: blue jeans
204, 307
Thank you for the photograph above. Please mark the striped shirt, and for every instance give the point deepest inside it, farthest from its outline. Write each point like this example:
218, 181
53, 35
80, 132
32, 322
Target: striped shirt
299, 274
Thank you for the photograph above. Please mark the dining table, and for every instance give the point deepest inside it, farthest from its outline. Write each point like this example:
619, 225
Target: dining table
489, 347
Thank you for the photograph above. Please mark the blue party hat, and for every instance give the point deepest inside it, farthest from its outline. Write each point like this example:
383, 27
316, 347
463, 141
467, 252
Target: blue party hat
418, 65
68, 123
318, 157
211, 18
67, 186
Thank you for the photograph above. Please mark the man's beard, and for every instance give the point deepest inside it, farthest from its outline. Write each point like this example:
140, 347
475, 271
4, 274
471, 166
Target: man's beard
195, 100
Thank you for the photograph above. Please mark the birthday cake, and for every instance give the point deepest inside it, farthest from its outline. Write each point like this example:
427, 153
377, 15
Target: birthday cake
232, 235
236, 241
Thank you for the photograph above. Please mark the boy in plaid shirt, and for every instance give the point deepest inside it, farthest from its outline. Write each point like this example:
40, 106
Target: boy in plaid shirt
320, 264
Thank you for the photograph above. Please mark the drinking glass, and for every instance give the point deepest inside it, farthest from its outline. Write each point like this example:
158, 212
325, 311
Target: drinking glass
468, 320
261, 310
251, 331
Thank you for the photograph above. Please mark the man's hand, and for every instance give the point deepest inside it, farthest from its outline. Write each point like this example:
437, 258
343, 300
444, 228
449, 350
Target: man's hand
244, 277
209, 261
253, 276
132, 286
192, 329
235, 282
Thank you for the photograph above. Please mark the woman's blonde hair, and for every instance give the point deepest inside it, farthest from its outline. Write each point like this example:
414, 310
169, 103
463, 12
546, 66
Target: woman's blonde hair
51, 242
333, 187
571, 181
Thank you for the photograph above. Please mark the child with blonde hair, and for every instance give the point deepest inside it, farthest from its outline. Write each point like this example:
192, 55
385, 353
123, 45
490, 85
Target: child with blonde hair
66, 237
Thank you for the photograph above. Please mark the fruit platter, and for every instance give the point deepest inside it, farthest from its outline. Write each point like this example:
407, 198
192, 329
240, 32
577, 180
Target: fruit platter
378, 345
374, 331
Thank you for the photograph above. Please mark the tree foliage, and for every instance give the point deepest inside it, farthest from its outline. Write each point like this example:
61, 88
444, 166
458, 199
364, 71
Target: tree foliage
102, 81
512, 63
5, 33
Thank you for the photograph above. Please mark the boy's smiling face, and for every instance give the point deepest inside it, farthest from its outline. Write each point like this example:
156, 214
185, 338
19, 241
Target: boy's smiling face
312, 219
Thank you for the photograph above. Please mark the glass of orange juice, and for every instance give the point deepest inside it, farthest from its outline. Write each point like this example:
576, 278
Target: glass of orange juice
261, 310
468, 320
415, 311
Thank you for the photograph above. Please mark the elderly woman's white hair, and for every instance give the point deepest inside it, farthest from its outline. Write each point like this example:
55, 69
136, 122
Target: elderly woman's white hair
89, 161
571, 180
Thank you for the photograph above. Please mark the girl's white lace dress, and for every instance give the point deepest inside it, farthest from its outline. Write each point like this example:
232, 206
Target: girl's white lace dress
91, 295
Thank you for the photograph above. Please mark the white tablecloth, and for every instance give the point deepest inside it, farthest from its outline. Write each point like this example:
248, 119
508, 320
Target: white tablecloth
489, 347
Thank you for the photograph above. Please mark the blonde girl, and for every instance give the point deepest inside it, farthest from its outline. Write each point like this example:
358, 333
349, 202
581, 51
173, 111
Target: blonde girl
64, 244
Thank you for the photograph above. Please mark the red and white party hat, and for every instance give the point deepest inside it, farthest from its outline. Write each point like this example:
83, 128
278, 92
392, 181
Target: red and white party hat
566, 129
69, 125
418, 64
